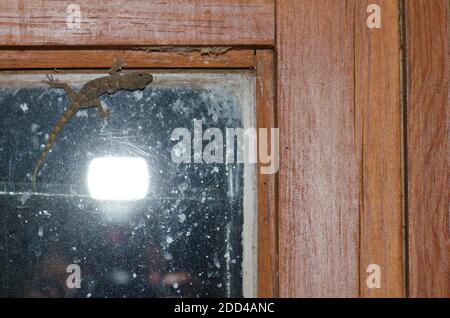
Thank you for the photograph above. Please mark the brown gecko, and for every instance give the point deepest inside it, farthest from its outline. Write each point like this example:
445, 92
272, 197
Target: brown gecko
87, 97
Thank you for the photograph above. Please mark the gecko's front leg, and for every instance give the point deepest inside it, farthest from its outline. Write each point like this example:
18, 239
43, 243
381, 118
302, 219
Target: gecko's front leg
116, 67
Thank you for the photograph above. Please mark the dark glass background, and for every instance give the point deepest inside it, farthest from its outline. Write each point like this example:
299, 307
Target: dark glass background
184, 239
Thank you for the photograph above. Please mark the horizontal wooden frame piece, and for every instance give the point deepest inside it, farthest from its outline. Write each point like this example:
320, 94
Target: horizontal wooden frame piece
137, 22
139, 58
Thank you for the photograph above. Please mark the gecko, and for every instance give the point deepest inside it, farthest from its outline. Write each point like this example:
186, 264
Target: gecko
88, 96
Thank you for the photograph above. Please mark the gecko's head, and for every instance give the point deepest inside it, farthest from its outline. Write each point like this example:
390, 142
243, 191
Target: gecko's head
136, 80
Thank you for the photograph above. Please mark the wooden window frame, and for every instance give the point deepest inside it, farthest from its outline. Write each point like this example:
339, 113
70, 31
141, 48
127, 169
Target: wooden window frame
351, 190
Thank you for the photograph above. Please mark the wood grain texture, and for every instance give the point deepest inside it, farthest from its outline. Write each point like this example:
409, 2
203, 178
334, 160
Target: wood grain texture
138, 22
267, 185
377, 98
319, 164
60, 59
428, 94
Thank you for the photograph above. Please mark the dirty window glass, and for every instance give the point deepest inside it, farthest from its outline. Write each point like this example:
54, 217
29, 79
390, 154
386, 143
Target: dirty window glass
183, 238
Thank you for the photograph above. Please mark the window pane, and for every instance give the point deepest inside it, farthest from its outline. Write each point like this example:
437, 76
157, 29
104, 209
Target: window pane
184, 238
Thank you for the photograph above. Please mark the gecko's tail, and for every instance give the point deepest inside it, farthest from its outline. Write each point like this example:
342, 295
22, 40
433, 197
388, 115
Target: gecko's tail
51, 139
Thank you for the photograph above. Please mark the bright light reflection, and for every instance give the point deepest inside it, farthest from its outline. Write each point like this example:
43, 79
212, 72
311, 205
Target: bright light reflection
118, 178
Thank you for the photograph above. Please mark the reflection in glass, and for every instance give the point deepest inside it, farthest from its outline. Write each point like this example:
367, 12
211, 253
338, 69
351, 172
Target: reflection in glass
118, 178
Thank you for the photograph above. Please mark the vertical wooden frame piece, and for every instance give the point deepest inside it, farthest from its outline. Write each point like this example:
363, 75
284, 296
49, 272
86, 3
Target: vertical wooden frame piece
267, 183
319, 174
428, 117
378, 112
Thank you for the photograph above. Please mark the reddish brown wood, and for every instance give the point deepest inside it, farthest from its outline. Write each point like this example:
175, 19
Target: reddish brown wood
138, 22
428, 65
267, 187
319, 180
48, 59
377, 97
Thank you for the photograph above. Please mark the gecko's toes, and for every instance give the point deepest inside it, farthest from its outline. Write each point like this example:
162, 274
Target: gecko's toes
51, 81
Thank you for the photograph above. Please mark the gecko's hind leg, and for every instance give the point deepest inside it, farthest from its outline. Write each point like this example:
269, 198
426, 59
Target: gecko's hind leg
67, 88
116, 67
96, 103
